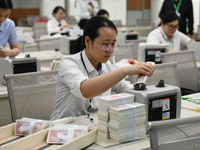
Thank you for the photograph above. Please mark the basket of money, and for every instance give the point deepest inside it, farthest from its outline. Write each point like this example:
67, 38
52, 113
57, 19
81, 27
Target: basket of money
58, 136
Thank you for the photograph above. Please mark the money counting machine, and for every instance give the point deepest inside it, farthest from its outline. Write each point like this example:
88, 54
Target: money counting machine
18, 65
162, 102
124, 37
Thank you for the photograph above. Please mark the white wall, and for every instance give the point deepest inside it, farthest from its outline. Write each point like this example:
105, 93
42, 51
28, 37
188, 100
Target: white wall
47, 6
116, 8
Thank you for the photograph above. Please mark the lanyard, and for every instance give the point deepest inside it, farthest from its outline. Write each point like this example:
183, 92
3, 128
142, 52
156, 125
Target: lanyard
178, 6
172, 41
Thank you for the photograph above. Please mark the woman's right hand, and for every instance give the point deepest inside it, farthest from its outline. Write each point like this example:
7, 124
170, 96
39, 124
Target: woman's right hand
139, 68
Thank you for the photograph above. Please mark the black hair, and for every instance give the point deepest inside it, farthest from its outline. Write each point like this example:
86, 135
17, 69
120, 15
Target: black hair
6, 4
102, 12
169, 16
91, 30
56, 9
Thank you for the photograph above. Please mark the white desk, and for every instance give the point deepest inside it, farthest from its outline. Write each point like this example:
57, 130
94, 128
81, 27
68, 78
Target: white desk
145, 143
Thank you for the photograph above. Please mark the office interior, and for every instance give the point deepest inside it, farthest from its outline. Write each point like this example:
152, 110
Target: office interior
43, 53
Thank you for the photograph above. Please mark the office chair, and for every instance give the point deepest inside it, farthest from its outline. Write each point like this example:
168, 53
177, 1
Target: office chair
175, 134
187, 70
48, 44
166, 72
38, 31
195, 46
117, 23
124, 51
136, 45
32, 94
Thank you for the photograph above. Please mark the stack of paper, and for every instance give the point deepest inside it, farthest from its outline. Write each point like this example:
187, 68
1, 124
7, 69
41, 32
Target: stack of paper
103, 110
127, 122
63, 133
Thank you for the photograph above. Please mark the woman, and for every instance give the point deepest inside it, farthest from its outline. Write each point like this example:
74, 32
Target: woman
7, 31
57, 24
87, 74
167, 33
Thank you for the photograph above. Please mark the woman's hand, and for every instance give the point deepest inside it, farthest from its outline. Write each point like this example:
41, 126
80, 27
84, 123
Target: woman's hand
139, 68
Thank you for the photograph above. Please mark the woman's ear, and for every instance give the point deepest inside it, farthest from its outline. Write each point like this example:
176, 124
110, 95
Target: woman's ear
87, 41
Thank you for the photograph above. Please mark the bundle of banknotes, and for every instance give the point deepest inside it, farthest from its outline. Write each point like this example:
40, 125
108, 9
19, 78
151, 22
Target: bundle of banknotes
26, 126
105, 102
63, 133
127, 122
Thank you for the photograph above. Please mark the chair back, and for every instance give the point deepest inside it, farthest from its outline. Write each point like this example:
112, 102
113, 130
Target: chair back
32, 94
38, 31
49, 44
166, 72
187, 70
175, 134
124, 51
195, 46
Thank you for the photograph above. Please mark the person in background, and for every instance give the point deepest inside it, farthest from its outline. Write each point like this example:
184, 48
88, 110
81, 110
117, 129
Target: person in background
89, 73
103, 12
7, 30
184, 9
57, 24
85, 10
167, 33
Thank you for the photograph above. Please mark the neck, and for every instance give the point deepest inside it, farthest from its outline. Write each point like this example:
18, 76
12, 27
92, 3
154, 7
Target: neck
92, 60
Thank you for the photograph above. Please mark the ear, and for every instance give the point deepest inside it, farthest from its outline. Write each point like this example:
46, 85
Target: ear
87, 41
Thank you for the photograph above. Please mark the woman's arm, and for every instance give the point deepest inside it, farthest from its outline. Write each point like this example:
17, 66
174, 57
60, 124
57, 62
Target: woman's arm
97, 85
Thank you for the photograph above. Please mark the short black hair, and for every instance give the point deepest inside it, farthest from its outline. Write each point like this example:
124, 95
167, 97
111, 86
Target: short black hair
102, 12
6, 4
57, 8
169, 16
91, 30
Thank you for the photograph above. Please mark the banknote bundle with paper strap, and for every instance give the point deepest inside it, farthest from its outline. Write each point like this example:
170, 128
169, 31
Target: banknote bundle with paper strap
26, 126
63, 133
127, 122
105, 102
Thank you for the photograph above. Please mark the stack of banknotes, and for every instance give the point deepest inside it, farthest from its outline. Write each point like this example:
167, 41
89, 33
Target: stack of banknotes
26, 126
105, 102
127, 122
63, 133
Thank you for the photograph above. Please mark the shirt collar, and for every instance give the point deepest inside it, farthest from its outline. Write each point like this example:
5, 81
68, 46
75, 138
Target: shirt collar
164, 35
89, 65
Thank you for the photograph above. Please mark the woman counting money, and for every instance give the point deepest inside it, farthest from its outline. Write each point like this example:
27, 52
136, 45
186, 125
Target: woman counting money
89, 73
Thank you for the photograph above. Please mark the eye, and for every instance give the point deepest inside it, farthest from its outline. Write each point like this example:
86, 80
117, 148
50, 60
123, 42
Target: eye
105, 44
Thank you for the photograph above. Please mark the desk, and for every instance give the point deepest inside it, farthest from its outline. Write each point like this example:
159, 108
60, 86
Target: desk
45, 57
145, 143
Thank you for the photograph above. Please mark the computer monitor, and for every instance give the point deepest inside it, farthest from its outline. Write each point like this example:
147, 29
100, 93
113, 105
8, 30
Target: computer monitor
124, 37
152, 52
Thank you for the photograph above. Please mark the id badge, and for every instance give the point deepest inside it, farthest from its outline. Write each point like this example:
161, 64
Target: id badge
178, 14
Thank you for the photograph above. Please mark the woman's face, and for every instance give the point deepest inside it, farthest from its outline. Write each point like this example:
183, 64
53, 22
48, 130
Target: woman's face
4, 14
170, 28
59, 15
96, 49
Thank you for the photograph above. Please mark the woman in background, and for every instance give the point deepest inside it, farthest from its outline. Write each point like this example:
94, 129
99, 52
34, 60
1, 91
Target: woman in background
89, 73
103, 12
167, 33
57, 24
7, 30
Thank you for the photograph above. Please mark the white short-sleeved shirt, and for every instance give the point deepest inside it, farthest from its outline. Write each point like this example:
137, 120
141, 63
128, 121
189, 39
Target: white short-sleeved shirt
158, 36
53, 26
71, 73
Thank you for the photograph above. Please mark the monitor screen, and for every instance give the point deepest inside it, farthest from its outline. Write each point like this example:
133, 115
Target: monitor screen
151, 52
154, 55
